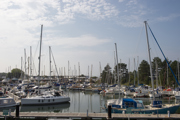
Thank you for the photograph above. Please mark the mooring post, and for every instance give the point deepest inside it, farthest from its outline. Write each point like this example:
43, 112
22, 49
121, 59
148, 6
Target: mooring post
168, 113
87, 112
17, 110
109, 111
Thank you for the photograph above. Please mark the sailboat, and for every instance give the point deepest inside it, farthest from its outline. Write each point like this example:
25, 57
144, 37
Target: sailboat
48, 97
130, 105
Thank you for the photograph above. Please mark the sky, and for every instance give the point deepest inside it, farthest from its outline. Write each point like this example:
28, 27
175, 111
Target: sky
84, 32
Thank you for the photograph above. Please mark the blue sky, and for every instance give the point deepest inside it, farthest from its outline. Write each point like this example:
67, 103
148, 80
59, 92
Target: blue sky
85, 31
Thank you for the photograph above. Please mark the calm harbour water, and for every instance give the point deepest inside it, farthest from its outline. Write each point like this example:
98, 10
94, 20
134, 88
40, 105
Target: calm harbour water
81, 101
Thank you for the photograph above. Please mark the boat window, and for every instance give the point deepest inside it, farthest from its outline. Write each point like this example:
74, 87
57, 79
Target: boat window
5, 101
139, 105
131, 104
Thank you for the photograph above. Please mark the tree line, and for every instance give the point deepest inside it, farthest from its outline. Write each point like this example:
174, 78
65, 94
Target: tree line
141, 75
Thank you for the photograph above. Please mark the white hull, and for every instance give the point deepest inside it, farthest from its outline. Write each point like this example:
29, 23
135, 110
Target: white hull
128, 93
7, 102
155, 95
40, 100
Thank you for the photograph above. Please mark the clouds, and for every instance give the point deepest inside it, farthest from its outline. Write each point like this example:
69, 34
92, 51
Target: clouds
20, 20
81, 41
168, 18
91, 9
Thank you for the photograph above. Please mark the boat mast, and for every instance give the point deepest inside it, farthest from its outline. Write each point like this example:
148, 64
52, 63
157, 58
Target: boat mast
134, 71
156, 75
50, 64
40, 57
138, 69
117, 68
167, 75
152, 80
114, 67
55, 65
25, 63
21, 68
30, 62
129, 70
178, 69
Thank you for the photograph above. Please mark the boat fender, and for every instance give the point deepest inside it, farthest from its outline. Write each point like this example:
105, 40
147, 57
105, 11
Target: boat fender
38, 100
53, 99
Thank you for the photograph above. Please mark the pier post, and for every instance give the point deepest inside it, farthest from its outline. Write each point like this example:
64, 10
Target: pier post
109, 111
17, 110
87, 112
168, 113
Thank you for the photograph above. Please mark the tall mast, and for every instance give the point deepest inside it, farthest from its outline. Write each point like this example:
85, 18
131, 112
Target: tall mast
100, 69
55, 65
88, 71
50, 64
120, 72
21, 68
167, 75
129, 70
152, 80
134, 71
30, 62
25, 63
114, 67
79, 71
117, 68
178, 68
91, 70
138, 69
68, 70
40, 57
156, 75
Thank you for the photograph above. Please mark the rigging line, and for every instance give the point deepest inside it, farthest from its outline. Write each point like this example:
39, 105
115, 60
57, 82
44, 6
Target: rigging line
163, 55
35, 57
55, 64
138, 43
153, 50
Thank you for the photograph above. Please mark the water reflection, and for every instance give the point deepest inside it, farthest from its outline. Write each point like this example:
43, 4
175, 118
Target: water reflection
7, 108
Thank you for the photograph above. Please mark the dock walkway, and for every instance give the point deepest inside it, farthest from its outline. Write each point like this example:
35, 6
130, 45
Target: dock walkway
92, 115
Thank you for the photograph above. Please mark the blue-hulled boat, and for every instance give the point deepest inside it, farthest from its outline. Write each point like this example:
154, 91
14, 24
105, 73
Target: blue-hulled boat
132, 106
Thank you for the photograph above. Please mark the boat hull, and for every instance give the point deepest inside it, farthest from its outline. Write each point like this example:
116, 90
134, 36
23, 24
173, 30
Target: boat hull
172, 110
44, 101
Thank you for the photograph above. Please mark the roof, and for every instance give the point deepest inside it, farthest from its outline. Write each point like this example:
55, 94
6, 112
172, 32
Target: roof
128, 100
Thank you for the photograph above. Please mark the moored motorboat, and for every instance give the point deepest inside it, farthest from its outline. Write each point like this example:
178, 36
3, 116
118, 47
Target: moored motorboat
7, 102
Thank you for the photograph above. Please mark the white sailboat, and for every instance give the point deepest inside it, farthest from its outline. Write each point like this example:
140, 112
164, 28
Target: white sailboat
48, 97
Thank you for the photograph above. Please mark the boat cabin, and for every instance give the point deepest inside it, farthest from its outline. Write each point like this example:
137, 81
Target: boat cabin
7, 102
128, 103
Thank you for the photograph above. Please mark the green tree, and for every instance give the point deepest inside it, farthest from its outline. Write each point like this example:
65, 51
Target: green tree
171, 78
123, 73
15, 73
106, 74
144, 72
